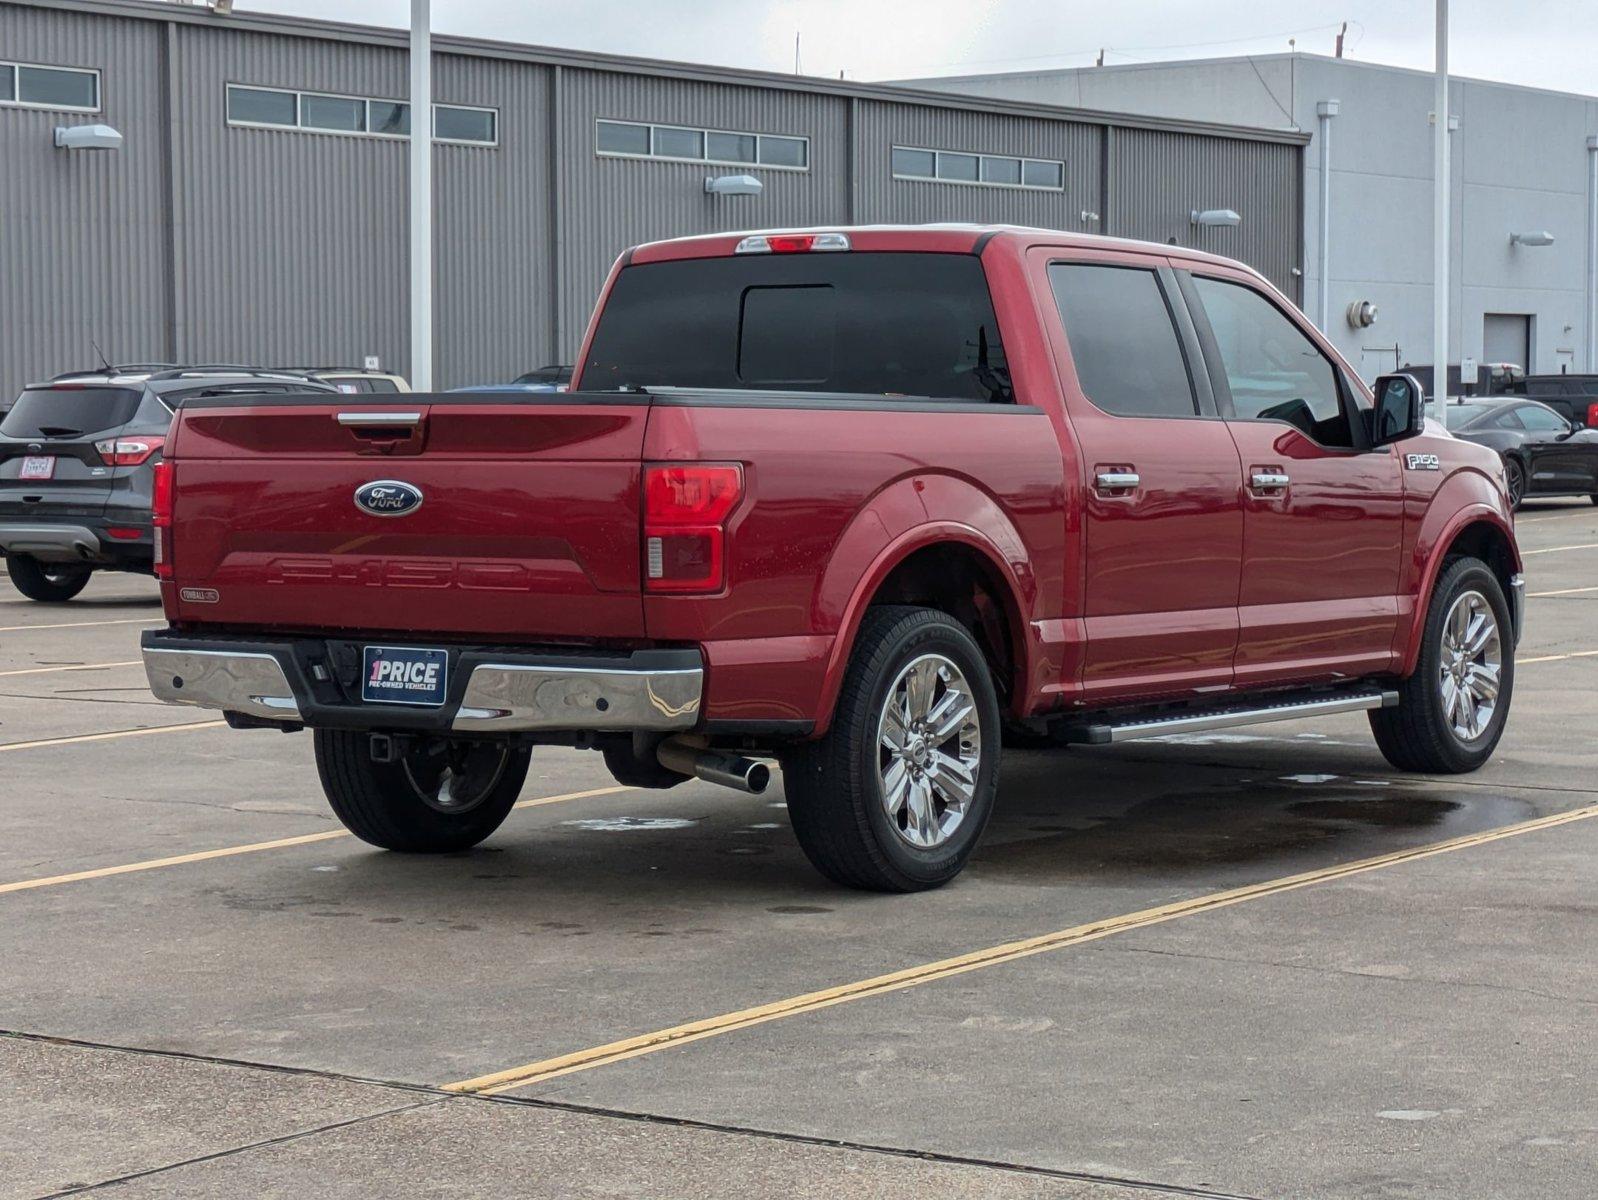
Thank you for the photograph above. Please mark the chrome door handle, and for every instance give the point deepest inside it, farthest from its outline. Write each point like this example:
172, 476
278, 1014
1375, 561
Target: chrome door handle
1269, 481
379, 419
1116, 481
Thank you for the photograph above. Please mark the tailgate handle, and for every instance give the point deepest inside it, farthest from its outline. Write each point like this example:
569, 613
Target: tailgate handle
379, 420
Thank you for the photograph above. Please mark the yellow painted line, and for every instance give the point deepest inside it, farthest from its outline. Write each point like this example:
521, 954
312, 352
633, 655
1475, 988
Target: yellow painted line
678, 1035
85, 624
1561, 592
112, 736
304, 839
135, 662
1557, 549
1521, 662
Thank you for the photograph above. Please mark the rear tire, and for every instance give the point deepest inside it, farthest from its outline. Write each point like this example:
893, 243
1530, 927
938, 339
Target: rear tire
444, 795
881, 819
48, 584
1423, 733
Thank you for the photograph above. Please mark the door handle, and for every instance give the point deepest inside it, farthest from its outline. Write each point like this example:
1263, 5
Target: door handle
1116, 481
1269, 481
379, 420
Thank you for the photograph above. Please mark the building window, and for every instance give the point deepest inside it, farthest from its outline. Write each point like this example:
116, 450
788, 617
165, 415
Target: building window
27, 85
318, 112
680, 143
986, 170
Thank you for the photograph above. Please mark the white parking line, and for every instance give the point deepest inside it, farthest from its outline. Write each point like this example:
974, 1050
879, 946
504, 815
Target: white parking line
90, 667
85, 624
1557, 549
1560, 592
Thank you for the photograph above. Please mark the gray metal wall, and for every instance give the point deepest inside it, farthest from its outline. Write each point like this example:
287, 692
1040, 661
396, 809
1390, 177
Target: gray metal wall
201, 241
1157, 179
82, 234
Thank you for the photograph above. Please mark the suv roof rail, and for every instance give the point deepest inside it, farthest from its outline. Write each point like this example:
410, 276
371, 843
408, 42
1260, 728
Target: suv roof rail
215, 369
340, 370
114, 369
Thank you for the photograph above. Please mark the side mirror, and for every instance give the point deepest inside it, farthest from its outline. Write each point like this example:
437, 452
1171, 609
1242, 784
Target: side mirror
1400, 410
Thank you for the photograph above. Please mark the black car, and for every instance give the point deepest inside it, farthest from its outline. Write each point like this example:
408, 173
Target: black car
1543, 453
76, 467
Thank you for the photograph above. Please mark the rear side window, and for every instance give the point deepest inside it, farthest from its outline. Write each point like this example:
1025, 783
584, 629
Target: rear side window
68, 412
1123, 341
879, 324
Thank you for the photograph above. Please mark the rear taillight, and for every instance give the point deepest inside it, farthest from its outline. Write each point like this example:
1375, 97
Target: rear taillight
686, 506
128, 452
1592, 416
161, 502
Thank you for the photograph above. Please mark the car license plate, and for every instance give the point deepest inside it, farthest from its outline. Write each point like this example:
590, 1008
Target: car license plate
38, 466
404, 675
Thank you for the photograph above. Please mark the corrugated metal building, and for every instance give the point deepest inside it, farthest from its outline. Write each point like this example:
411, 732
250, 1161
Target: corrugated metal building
257, 209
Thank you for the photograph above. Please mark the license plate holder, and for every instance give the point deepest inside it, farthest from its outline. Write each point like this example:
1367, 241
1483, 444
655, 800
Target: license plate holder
37, 466
407, 675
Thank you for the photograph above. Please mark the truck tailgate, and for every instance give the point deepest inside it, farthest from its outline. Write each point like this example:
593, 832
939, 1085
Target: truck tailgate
527, 526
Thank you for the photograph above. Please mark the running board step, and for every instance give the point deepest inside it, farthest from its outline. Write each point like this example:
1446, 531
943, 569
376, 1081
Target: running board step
1101, 733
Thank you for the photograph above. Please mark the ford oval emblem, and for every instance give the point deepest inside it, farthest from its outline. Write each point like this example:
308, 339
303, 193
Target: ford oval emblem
388, 498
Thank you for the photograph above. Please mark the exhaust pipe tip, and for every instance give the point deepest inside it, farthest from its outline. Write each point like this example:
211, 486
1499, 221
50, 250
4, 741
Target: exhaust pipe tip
729, 770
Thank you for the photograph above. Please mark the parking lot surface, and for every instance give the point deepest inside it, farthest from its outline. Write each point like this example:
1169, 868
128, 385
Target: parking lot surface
1253, 963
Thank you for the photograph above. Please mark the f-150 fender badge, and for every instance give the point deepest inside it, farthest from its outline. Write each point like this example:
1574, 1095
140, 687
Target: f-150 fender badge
200, 595
1421, 462
388, 498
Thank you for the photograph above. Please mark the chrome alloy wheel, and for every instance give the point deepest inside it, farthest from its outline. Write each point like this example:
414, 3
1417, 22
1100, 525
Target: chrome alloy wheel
455, 777
929, 751
1470, 666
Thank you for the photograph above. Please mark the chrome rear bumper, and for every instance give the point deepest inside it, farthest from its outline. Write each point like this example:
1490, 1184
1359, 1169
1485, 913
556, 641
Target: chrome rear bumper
298, 683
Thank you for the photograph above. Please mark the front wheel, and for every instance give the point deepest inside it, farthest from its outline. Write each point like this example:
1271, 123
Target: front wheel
53, 583
441, 794
1451, 711
894, 797
1515, 477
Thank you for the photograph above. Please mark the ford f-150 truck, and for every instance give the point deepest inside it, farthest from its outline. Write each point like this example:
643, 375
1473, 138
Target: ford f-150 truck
870, 502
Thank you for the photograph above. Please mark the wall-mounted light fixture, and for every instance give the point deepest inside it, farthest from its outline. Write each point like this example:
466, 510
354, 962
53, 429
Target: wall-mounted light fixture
1211, 217
1361, 314
733, 185
1532, 237
87, 137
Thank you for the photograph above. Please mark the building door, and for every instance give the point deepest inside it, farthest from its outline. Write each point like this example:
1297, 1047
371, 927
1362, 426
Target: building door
1506, 337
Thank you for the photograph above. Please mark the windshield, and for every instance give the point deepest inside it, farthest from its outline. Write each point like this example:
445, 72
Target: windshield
69, 412
879, 324
1457, 415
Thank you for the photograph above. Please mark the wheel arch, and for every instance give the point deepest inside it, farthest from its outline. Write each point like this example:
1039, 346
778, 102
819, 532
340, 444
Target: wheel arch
1478, 530
954, 568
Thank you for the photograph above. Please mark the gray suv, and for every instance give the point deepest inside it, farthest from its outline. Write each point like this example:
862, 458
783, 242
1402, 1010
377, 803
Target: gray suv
76, 467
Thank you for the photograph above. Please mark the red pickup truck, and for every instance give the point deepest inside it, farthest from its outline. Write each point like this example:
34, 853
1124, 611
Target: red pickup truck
871, 502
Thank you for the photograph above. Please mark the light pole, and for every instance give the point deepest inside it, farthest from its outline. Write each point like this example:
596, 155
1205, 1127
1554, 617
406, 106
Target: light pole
1440, 196
421, 55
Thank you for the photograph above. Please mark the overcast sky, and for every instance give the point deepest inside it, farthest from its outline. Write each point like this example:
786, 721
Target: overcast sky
1544, 43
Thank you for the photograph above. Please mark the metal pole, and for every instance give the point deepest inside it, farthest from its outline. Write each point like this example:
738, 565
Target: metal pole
1440, 198
421, 196
1592, 255
1325, 110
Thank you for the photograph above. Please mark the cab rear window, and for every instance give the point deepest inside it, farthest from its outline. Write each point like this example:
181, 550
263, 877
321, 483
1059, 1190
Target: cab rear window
68, 412
880, 324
